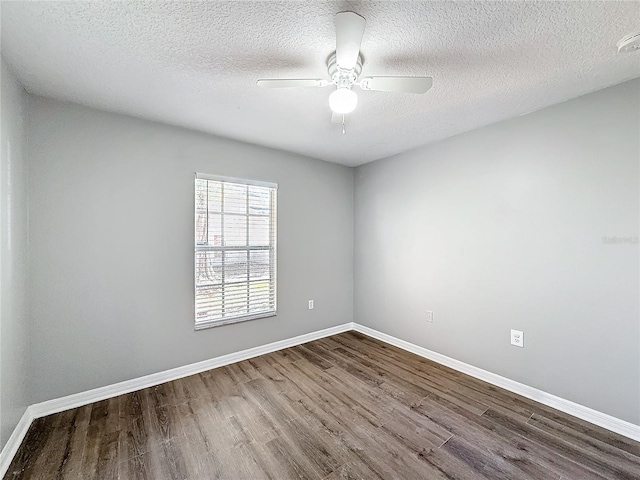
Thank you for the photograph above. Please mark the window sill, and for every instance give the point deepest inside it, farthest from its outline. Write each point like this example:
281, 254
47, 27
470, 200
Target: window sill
228, 321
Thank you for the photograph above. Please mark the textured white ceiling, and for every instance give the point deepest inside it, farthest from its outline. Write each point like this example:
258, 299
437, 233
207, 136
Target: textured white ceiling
195, 64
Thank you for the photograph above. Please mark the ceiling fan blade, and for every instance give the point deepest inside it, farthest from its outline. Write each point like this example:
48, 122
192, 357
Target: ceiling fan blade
397, 84
349, 31
291, 82
336, 117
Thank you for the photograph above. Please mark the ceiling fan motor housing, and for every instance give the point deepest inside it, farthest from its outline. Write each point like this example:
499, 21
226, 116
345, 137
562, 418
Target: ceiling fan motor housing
340, 76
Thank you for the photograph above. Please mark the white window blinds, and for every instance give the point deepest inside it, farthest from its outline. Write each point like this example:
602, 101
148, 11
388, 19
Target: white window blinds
235, 250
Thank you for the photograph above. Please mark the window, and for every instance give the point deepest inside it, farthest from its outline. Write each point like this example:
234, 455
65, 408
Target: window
235, 250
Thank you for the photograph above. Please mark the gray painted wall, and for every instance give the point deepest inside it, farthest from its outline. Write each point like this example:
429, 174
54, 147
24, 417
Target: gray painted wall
503, 228
111, 266
14, 339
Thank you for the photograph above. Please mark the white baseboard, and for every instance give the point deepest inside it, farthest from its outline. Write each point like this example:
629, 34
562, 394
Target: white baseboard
614, 424
83, 398
12, 445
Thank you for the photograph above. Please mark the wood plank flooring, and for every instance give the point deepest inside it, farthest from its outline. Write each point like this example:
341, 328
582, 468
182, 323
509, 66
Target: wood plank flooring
344, 407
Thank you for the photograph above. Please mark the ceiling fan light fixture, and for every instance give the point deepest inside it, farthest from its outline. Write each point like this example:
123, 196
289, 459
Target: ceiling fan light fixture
343, 101
344, 67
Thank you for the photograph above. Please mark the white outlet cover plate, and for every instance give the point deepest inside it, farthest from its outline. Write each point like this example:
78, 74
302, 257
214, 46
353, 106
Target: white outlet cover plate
429, 316
517, 338
310, 304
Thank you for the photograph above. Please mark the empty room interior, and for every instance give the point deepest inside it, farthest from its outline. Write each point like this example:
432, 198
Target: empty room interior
320, 240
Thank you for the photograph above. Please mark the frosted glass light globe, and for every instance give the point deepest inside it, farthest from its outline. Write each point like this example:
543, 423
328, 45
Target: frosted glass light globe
343, 101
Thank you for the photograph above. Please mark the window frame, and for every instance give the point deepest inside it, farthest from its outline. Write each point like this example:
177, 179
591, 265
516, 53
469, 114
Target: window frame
272, 248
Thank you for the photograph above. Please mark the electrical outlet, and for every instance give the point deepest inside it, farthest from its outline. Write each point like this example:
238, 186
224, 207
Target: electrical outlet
429, 316
517, 338
310, 304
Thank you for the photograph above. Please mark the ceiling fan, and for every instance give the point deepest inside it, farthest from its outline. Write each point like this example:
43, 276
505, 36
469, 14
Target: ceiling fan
344, 68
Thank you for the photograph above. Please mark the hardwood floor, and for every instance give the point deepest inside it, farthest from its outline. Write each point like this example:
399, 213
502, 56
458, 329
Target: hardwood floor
344, 407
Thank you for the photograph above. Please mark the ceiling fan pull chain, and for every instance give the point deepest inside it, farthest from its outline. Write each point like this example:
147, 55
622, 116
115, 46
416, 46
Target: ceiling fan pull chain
343, 130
